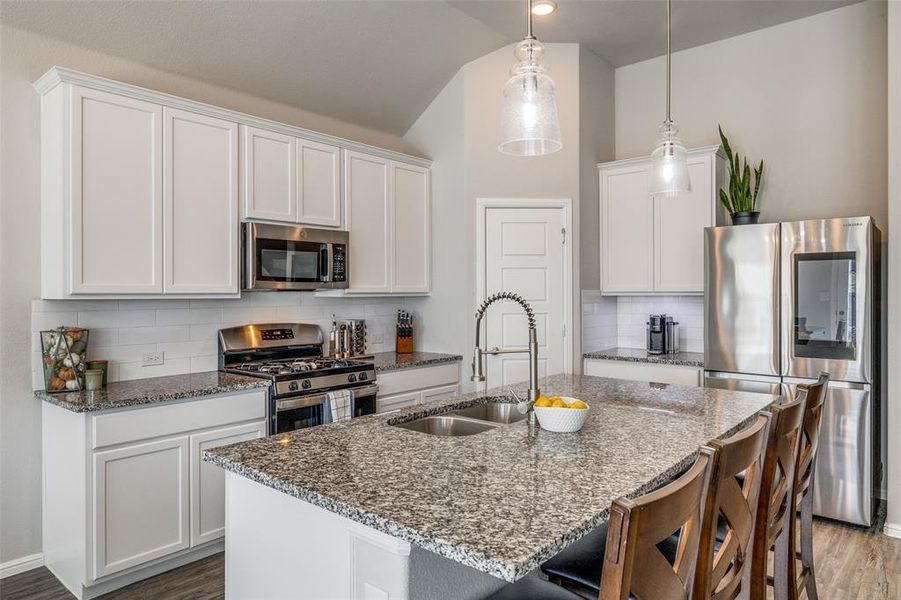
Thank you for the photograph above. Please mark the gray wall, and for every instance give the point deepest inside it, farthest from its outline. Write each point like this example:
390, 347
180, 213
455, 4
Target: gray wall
807, 96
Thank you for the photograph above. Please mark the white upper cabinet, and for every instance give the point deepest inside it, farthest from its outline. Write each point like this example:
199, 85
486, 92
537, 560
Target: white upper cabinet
627, 229
387, 207
200, 157
290, 180
318, 184
115, 207
411, 228
143, 193
656, 245
366, 182
269, 175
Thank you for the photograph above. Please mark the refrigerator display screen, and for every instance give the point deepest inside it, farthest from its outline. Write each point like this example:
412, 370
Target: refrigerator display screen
825, 302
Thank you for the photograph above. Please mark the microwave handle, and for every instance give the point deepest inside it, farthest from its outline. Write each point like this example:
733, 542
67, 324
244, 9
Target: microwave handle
329, 257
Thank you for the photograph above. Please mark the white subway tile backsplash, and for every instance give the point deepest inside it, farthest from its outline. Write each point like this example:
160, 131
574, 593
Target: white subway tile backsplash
116, 318
632, 316
146, 335
186, 330
188, 316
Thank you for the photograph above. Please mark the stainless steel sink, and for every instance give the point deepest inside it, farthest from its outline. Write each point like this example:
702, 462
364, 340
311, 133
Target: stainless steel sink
495, 412
447, 425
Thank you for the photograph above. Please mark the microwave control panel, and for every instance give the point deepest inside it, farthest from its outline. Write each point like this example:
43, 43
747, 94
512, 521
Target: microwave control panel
339, 262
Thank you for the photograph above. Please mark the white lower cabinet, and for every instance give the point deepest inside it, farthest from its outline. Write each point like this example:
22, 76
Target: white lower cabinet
650, 372
126, 492
403, 388
208, 481
140, 503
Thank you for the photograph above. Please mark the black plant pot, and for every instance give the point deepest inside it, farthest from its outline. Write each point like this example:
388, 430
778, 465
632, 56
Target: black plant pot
745, 218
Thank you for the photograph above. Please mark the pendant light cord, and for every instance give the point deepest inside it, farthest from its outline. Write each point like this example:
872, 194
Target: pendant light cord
529, 19
669, 27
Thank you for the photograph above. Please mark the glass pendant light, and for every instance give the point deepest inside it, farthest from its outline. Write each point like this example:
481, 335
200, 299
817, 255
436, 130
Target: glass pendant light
529, 122
669, 164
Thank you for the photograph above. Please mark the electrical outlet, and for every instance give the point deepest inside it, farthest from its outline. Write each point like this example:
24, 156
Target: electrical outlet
378, 339
152, 358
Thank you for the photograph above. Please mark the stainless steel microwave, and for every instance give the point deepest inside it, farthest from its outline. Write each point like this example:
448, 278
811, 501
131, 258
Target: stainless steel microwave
292, 257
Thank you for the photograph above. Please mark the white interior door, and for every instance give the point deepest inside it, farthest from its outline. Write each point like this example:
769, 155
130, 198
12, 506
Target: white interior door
525, 254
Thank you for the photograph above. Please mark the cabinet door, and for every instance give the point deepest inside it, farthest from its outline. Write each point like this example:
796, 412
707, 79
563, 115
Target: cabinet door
269, 172
318, 184
116, 210
411, 263
387, 403
140, 504
208, 480
679, 232
366, 185
627, 229
200, 204
440, 393
664, 374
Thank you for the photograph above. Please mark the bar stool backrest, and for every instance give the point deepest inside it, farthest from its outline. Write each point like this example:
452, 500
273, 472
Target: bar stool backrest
813, 415
633, 564
723, 573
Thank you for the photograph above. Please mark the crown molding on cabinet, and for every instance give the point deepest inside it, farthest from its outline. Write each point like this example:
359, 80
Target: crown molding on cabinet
701, 150
58, 75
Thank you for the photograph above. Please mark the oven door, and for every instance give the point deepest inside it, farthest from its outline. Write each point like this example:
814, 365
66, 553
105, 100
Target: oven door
279, 257
299, 412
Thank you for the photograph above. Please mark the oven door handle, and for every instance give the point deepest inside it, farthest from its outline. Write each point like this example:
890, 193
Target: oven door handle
299, 402
318, 399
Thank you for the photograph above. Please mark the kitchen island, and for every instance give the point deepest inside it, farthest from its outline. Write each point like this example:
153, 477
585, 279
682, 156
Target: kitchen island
366, 509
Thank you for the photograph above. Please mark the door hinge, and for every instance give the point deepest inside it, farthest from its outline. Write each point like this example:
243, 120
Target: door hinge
563, 231
563, 327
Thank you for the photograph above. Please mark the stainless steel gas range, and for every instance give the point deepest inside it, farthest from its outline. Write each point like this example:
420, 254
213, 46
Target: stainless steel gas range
304, 383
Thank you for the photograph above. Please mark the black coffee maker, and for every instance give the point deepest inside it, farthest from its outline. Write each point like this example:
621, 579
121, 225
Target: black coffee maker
656, 334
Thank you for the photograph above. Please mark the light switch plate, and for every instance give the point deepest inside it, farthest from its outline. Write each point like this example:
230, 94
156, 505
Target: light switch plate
152, 358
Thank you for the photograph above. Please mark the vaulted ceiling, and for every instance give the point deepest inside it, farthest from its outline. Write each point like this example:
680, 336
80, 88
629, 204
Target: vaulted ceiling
376, 63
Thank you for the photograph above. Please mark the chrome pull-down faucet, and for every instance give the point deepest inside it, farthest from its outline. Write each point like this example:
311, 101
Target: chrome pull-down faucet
478, 373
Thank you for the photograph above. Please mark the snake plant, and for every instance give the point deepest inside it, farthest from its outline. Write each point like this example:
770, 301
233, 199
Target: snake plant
743, 188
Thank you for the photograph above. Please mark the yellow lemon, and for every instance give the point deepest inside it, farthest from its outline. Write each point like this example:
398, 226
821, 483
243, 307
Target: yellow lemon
578, 404
542, 402
558, 402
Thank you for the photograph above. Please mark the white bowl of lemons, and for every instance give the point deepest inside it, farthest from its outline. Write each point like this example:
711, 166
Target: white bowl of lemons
561, 414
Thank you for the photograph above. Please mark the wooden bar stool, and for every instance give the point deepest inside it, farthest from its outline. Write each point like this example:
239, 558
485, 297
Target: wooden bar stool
802, 516
633, 564
723, 571
776, 503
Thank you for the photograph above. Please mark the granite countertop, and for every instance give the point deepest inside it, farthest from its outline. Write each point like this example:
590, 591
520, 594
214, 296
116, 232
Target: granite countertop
504, 500
140, 392
392, 361
686, 359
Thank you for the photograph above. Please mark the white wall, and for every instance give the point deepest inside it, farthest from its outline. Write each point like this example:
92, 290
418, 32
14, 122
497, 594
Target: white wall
893, 430
807, 96
26, 56
459, 131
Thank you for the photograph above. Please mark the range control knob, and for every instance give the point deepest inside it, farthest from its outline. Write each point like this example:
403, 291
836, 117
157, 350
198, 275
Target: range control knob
293, 386
306, 384
351, 378
363, 377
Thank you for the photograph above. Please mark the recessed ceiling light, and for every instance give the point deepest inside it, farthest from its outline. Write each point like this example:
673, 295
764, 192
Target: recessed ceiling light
543, 7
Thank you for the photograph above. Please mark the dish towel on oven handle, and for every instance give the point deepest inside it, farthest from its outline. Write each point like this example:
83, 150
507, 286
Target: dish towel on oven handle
338, 406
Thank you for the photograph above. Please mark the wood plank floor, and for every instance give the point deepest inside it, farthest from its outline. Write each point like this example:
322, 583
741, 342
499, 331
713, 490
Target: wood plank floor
852, 564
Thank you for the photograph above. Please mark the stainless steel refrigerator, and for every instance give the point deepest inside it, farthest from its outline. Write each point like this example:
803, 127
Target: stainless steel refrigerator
785, 301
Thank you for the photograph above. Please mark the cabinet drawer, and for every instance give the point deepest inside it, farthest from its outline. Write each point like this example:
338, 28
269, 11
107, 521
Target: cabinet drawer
397, 382
145, 423
675, 374
440, 393
385, 404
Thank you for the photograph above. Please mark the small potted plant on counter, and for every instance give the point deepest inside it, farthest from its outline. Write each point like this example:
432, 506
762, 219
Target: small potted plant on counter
741, 199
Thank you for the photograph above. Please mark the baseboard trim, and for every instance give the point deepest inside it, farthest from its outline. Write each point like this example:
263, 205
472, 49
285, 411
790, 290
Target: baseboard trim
892, 530
20, 565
